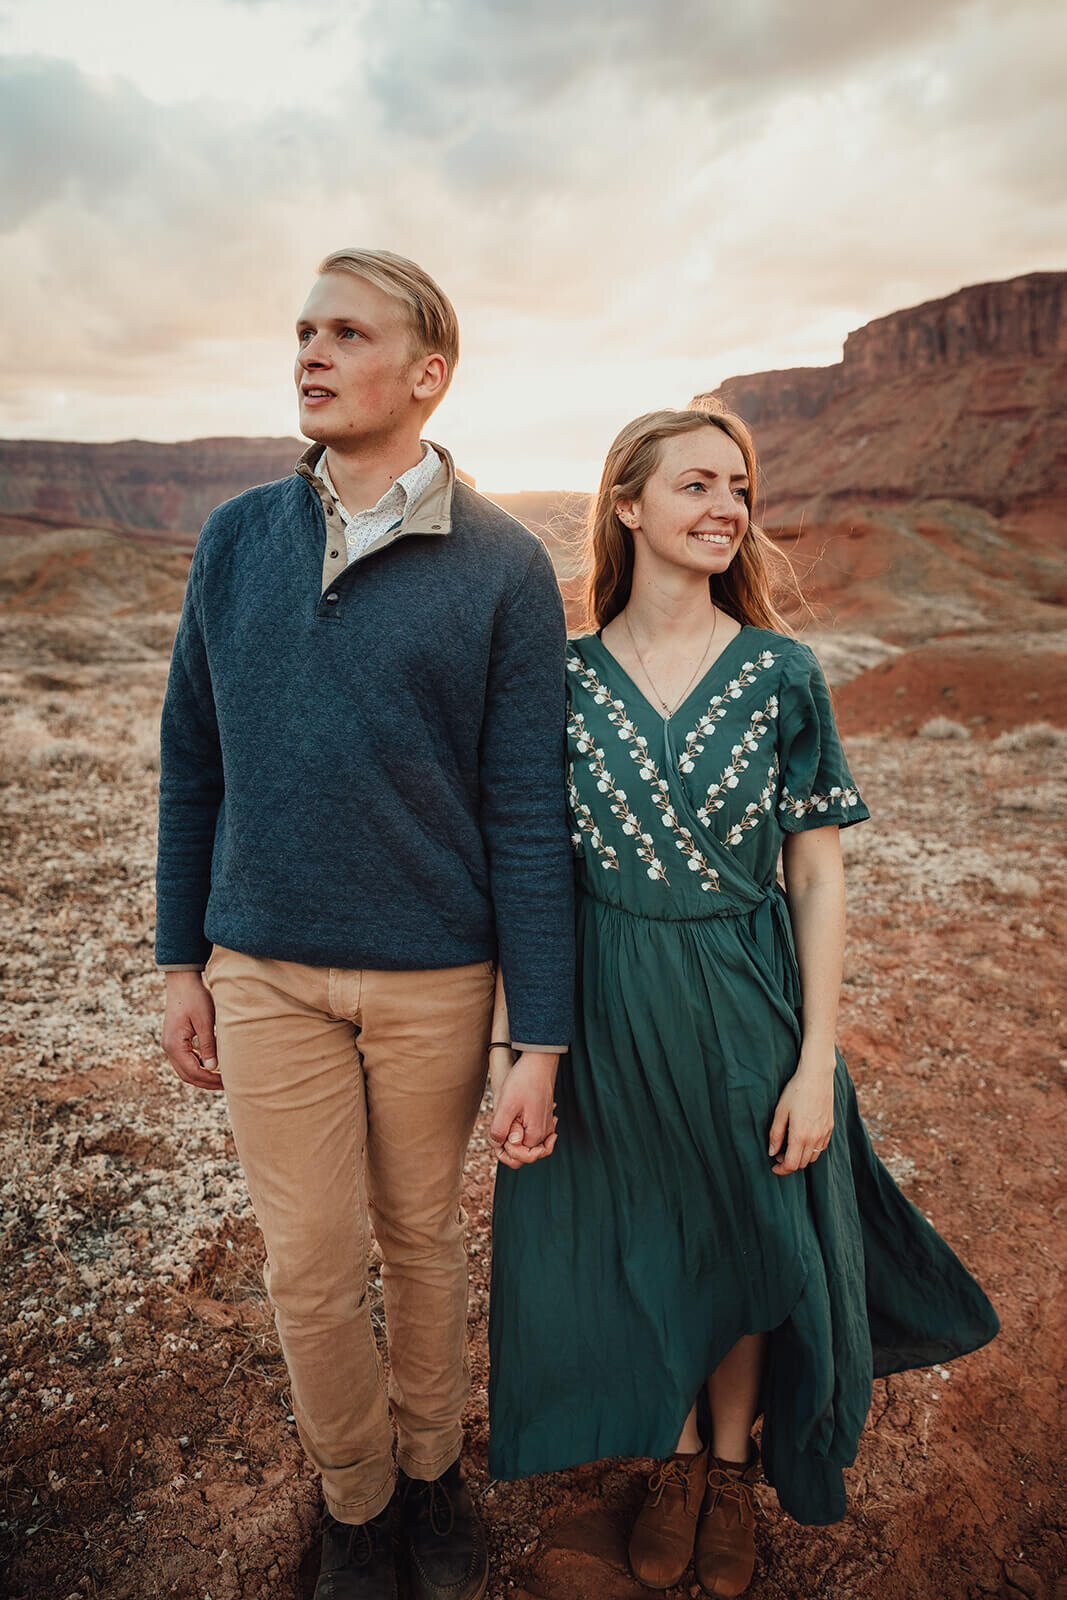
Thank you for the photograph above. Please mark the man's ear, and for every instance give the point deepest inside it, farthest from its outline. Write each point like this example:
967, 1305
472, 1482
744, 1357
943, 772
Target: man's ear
430, 378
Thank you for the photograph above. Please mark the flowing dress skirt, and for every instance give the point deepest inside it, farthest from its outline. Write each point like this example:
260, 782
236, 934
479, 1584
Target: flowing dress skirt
627, 1264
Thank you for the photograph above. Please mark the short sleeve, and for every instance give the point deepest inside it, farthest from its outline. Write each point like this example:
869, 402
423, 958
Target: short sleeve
817, 789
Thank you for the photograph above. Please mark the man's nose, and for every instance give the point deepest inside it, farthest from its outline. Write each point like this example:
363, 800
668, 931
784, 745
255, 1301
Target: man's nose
313, 353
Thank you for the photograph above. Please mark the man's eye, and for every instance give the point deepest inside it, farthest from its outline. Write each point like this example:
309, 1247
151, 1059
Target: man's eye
349, 333
303, 336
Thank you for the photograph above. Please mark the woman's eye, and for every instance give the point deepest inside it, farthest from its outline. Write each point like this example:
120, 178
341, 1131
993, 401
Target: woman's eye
696, 485
740, 493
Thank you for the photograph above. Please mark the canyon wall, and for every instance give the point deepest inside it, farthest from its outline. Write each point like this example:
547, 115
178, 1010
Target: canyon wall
961, 399
135, 486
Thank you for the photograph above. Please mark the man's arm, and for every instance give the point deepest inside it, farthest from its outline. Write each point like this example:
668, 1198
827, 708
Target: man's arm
524, 822
190, 792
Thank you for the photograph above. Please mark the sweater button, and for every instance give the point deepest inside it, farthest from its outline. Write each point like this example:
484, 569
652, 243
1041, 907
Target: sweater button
332, 599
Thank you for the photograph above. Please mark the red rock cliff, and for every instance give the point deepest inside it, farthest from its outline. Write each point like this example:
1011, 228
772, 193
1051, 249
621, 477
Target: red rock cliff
135, 485
963, 398
1022, 318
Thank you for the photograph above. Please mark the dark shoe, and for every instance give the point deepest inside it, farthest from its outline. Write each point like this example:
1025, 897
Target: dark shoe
446, 1553
359, 1559
661, 1544
726, 1550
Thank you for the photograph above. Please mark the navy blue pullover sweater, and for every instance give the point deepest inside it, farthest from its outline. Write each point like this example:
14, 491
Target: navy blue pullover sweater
370, 774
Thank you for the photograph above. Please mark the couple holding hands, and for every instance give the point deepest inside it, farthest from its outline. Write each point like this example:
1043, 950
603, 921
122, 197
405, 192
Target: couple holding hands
408, 834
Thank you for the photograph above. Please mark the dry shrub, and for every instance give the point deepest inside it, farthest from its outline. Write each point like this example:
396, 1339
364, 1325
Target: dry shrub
1033, 736
22, 738
1017, 885
66, 755
943, 728
144, 752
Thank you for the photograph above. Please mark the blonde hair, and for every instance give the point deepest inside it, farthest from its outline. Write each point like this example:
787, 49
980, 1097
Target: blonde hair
431, 317
745, 590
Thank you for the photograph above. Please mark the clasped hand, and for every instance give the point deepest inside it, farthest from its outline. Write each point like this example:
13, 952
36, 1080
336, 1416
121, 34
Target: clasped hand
523, 1128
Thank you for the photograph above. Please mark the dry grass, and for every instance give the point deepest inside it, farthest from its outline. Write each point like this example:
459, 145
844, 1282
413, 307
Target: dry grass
1034, 736
943, 728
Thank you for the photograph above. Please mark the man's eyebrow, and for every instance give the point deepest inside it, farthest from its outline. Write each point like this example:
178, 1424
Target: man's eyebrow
331, 322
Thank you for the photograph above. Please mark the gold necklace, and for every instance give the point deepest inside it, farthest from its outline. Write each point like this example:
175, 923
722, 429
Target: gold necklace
668, 710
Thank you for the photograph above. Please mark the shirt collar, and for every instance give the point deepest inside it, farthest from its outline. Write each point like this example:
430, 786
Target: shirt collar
428, 512
404, 490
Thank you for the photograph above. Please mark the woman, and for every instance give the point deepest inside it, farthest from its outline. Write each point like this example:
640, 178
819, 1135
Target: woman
713, 1222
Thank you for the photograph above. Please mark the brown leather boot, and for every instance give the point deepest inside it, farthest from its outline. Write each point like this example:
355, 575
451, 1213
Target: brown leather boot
725, 1546
661, 1544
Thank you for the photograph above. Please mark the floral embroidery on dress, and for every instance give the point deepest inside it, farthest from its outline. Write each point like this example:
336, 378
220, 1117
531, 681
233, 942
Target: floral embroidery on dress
620, 806
758, 723
648, 771
587, 823
718, 708
756, 810
836, 796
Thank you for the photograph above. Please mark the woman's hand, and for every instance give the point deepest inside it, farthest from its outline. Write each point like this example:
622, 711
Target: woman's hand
804, 1116
523, 1128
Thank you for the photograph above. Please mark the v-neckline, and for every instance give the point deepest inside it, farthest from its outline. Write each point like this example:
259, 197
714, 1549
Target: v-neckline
694, 692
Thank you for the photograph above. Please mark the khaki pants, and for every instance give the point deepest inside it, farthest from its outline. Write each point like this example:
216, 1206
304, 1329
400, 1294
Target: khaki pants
352, 1097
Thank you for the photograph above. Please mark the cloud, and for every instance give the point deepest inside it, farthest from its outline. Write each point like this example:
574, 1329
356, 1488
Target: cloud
625, 202
61, 137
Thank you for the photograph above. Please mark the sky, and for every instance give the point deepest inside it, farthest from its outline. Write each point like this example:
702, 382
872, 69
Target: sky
627, 202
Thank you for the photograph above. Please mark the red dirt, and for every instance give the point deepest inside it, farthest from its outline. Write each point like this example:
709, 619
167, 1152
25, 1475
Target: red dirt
987, 685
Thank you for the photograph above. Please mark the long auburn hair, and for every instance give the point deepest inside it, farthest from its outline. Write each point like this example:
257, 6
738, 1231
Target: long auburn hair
745, 590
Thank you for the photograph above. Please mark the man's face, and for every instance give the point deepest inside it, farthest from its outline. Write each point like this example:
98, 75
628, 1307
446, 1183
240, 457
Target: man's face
355, 371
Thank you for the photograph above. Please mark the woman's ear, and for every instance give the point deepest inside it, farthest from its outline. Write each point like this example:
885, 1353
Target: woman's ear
627, 513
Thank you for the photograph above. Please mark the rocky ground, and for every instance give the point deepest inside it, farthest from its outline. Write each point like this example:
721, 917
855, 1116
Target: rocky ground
148, 1447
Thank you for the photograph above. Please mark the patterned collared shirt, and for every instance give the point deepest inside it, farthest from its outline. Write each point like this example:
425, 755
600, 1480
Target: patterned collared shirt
363, 529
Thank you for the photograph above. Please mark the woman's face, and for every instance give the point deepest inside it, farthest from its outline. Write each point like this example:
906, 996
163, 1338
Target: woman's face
692, 512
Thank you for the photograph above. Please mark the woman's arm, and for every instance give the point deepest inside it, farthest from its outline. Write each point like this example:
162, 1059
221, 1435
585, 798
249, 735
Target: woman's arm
523, 1128
815, 888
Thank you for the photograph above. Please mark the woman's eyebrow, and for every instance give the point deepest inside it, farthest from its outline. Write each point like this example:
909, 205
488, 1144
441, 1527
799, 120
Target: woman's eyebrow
706, 472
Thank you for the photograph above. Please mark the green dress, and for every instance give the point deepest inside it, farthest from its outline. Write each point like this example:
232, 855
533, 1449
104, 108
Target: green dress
627, 1264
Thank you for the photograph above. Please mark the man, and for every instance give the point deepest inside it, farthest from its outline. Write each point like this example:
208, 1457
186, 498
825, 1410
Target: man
361, 808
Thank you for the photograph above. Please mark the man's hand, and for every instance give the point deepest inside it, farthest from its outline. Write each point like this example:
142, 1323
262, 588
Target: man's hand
523, 1128
189, 1017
